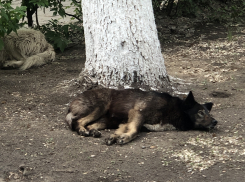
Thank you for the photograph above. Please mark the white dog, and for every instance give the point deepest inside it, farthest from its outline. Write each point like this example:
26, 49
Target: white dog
25, 49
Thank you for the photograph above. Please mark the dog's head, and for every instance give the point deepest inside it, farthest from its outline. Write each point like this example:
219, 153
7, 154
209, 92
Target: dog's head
199, 113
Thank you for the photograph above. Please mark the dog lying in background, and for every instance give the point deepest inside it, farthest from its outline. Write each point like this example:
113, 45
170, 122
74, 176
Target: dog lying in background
128, 110
26, 49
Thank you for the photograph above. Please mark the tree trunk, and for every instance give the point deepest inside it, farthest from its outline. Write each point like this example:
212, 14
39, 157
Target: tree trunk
29, 13
29, 17
122, 46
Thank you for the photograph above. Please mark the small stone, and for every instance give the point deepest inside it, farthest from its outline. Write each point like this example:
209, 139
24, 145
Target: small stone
143, 147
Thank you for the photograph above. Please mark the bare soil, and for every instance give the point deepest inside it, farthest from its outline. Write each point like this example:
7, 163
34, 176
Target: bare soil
36, 144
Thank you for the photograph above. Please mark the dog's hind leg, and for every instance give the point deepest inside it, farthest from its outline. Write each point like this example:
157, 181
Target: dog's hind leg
82, 122
13, 64
95, 127
39, 59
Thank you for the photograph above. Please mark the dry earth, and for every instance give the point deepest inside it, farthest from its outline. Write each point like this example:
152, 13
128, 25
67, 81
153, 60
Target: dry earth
36, 145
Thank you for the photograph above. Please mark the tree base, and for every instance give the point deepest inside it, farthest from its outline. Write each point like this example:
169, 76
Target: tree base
172, 85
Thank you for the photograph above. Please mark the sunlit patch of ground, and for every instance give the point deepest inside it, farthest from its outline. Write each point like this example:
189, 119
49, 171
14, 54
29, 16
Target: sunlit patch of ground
217, 149
214, 58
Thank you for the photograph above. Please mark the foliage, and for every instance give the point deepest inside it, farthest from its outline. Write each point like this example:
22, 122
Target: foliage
214, 10
9, 19
55, 5
42, 3
78, 9
188, 8
178, 7
58, 8
156, 4
56, 33
59, 35
31, 3
232, 11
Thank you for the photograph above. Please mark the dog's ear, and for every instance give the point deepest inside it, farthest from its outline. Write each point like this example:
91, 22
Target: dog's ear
208, 105
189, 102
190, 99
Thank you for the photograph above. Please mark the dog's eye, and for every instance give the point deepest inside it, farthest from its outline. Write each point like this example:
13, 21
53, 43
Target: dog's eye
200, 113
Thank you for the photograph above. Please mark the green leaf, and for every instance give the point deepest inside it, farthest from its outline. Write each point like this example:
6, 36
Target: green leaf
61, 44
5, 15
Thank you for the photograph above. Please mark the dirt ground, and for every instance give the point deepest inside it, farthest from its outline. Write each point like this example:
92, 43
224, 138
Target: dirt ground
36, 145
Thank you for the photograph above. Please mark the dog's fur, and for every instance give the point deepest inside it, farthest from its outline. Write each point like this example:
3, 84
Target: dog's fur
25, 49
129, 110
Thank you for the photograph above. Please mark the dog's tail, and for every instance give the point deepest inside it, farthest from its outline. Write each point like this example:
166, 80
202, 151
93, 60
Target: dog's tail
69, 118
39, 59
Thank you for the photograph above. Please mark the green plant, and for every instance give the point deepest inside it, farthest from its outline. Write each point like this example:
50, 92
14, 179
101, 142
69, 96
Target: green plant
234, 11
156, 4
187, 8
9, 19
213, 10
59, 35
31, 8
58, 8
55, 5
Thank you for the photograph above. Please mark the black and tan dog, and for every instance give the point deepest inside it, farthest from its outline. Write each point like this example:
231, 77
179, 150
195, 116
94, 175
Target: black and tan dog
129, 110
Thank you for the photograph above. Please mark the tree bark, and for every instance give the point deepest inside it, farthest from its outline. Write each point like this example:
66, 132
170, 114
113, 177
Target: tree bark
122, 46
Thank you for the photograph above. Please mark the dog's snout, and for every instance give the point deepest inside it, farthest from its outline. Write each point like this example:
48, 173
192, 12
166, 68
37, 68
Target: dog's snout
214, 122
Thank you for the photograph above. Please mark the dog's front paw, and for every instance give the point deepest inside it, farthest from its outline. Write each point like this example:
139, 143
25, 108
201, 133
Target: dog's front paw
110, 140
94, 133
124, 138
83, 132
